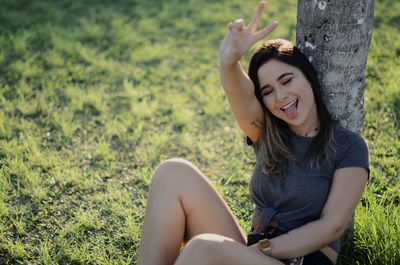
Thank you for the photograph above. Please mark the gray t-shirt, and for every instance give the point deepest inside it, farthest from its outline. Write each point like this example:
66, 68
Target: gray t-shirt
298, 196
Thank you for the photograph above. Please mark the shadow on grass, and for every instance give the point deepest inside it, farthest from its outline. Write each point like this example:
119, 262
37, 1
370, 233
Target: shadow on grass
16, 15
24, 14
395, 102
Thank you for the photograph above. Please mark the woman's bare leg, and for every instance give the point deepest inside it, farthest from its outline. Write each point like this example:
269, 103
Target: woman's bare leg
182, 204
211, 249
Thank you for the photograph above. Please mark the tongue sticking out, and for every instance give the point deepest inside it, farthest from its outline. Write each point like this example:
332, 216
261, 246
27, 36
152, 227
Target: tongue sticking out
291, 111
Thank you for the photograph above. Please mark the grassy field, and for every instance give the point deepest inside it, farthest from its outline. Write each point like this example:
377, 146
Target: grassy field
95, 94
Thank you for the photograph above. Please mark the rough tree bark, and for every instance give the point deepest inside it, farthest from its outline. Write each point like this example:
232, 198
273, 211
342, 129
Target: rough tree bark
335, 35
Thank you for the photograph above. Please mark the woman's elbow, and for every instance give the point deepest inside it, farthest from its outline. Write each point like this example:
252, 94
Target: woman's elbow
337, 229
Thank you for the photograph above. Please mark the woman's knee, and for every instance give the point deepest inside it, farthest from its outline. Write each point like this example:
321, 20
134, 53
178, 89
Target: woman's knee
209, 247
176, 162
173, 170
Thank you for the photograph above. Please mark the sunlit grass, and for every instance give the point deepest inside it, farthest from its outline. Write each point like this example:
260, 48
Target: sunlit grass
95, 94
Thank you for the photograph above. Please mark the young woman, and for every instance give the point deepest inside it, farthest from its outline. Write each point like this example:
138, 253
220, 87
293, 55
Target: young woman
309, 176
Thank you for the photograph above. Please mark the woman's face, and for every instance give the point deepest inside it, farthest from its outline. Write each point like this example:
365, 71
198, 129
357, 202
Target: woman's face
288, 95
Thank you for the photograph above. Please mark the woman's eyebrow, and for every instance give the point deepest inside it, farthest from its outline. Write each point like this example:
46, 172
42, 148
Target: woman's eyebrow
283, 75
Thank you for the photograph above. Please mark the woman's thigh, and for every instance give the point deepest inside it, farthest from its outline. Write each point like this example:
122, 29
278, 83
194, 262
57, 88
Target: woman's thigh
204, 209
210, 249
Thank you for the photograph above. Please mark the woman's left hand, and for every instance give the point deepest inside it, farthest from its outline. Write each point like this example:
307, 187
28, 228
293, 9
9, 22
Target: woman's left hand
240, 38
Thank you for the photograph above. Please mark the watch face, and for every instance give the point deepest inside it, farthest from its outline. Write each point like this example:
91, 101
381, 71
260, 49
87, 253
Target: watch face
265, 244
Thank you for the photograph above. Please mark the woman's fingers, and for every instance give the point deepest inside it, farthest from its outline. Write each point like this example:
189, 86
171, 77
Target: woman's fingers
265, 31
240, 38
259, 35
230, 26
239, 24
257, 16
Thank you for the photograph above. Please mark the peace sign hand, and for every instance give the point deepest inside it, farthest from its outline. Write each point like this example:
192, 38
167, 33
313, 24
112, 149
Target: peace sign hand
240, 38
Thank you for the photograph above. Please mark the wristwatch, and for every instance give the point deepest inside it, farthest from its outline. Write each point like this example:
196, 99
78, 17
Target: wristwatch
265, 246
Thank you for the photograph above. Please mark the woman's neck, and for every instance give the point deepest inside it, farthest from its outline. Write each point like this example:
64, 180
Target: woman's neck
307, 131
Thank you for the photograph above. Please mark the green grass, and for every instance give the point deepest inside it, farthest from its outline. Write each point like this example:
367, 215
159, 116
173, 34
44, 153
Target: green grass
95, 94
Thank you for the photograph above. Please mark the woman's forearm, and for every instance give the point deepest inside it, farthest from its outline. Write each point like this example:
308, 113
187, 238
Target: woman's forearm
304, 240
237, 85
240, 93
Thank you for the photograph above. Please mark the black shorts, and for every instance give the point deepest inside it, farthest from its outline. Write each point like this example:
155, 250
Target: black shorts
315, 258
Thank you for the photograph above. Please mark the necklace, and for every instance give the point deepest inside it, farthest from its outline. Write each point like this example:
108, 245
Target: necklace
312, 132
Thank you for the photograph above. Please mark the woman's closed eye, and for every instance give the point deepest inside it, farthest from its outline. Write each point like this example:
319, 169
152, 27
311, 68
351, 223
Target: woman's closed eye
287, 81
266, 92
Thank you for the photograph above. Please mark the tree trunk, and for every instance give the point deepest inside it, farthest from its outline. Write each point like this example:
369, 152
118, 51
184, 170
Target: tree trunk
335, 36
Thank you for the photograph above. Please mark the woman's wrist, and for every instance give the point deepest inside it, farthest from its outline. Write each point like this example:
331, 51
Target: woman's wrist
265, 245
228, 64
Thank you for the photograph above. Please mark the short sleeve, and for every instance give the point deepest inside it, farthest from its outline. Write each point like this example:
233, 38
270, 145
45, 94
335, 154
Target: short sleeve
354, 153
248, 141
255, 144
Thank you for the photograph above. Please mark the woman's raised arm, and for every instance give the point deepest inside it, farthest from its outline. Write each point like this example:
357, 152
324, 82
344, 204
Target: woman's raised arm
237, 85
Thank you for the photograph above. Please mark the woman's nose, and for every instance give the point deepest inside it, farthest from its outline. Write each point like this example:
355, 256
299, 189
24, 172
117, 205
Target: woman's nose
281, 94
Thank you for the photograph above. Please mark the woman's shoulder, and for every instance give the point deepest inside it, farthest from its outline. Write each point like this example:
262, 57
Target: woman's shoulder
351, 148
344, 137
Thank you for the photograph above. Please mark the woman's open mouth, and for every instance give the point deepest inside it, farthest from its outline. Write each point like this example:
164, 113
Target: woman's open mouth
290, 109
